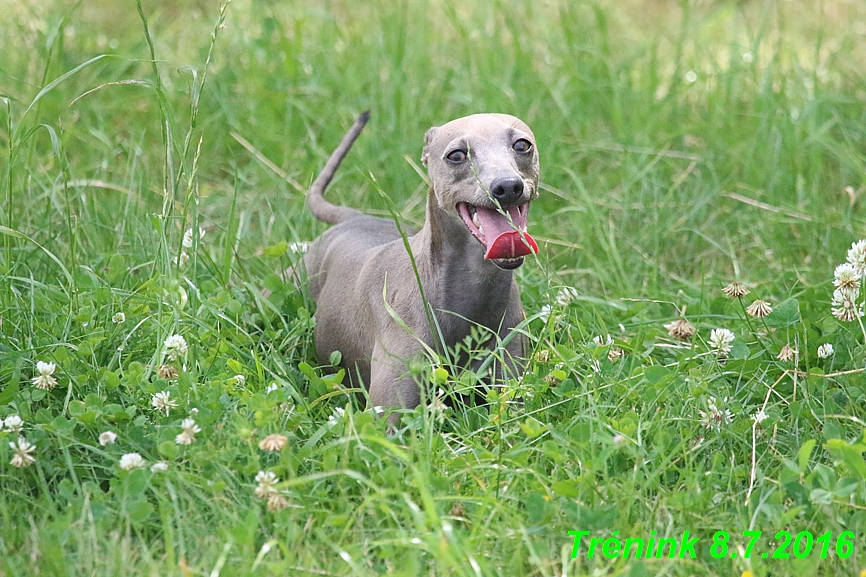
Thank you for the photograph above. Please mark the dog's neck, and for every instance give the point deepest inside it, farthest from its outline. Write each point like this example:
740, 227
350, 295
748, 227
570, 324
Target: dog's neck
451, 263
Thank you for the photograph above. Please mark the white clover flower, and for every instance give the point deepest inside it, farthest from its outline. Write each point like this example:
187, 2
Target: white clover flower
437, 407
857, 257
337, 415
131, 461
277, 502
182, 259
240, 380
736, 289
175, 346
715, 418
595, 365
544, 313
272, 387
846, 279
118, 318
266, 481
680, 329
187, 237
720, 341
759, 308
107, 438
13, 424
187, 434
159, 467
787, 353
825, 351
22, 457
299, 247
759, 417
844, 307
163, 401
166, 372
566, 295
45, 380
602, 341
274, 442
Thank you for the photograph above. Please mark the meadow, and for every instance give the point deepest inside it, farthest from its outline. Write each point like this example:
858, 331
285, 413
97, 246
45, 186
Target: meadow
160, 416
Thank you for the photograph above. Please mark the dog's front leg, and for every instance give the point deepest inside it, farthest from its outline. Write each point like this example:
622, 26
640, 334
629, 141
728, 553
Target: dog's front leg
391, 385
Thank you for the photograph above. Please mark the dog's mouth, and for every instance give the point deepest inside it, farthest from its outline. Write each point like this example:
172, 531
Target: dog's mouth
502, 232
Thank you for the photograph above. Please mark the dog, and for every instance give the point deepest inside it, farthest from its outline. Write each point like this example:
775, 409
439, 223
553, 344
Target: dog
484, 172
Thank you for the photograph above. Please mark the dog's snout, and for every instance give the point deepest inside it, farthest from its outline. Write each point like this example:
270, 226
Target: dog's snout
507, 189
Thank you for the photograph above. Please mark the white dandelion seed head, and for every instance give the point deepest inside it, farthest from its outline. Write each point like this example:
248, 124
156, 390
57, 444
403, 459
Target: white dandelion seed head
131, 461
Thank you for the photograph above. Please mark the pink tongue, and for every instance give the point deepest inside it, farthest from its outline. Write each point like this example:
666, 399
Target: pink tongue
507, 242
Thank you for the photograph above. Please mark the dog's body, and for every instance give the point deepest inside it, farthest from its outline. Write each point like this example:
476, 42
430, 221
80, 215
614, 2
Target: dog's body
484, 173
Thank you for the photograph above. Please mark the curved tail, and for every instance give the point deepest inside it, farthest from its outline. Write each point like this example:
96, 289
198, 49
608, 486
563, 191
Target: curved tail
321, 208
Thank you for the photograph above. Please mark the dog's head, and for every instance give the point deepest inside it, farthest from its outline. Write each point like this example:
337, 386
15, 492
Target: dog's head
484, 170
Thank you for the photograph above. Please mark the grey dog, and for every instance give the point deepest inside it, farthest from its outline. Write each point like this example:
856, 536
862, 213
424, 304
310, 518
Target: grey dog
484, 173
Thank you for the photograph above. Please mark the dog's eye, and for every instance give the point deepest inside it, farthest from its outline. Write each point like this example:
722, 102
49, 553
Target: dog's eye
456, 155
522, 145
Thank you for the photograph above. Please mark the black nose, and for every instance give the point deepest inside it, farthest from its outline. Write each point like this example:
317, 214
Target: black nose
507, 189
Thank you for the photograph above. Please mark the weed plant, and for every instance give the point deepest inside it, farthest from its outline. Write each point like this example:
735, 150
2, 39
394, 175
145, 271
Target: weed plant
161, 416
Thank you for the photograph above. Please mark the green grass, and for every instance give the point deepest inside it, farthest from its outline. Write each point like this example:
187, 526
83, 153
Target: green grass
683, 146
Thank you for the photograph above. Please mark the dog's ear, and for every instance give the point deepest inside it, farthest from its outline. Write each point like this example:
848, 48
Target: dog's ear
428, 138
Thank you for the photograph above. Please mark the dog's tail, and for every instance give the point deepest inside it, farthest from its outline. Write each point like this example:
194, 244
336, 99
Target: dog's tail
321, 208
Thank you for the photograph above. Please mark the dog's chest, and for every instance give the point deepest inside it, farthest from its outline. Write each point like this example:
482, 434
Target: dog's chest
467, 305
